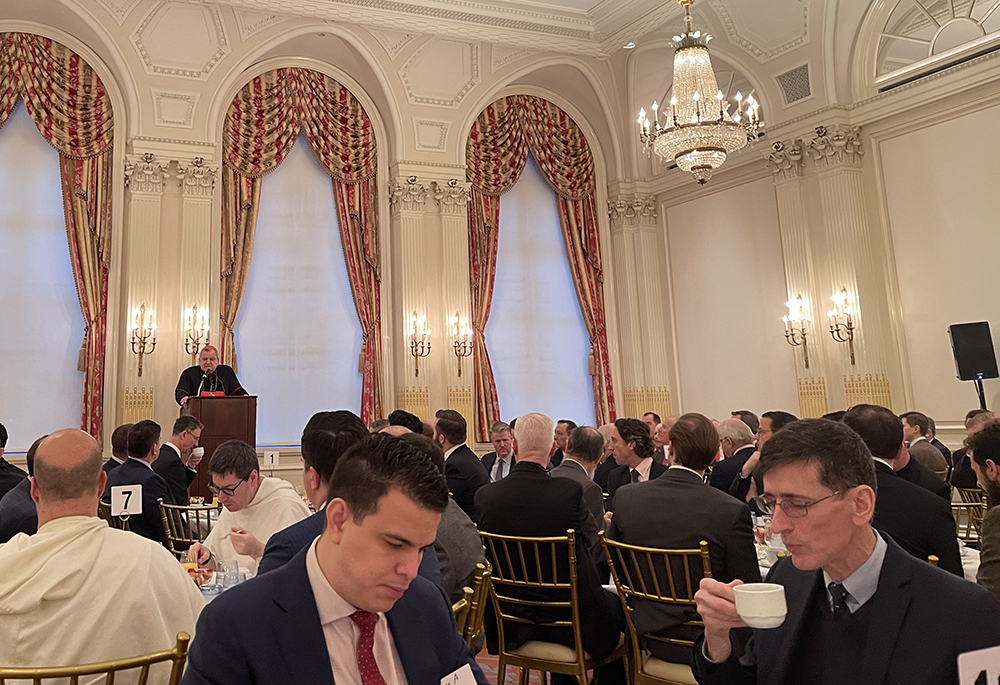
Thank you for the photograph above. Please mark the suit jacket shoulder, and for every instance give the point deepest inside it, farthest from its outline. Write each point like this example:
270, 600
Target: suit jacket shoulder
17, 512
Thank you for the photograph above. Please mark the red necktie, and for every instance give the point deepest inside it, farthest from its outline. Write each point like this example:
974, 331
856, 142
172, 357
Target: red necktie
366, 621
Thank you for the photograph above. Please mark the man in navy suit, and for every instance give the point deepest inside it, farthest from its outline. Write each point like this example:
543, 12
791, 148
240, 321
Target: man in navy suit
350, 607
503, 448
633, 450
17, 510
465, 473
177, 463
737, 446
143, 448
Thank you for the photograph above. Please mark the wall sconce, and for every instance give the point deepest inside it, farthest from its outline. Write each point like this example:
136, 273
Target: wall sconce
420, 340
796, 335
195, 333
462, 334
143, 334
842, 331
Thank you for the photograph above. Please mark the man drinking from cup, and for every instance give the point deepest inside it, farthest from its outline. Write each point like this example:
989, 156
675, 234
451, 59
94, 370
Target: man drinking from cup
859, 608
180, 456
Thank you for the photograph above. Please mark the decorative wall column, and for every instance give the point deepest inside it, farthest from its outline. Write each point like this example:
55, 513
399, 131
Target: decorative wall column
640, 295
787, 162
407, 197
452, 198
198, 258
837, 153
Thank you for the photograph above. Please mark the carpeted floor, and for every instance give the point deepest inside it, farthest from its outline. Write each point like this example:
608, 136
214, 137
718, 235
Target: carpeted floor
489, 665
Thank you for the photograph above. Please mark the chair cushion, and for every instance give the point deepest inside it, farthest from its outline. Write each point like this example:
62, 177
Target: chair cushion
675, 673
550, 651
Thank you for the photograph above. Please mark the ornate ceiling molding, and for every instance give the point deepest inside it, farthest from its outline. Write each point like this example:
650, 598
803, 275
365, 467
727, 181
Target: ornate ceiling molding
786, 160
451, 197
406, 195
632, 210
836, 145
144, 174
197, 179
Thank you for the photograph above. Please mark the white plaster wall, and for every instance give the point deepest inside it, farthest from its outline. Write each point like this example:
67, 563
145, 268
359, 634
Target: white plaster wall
729, 293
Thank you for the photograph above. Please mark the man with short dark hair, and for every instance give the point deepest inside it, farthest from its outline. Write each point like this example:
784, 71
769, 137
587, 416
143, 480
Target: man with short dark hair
859, 608
633, 450
177, 463
350, 607
984, 449
920, 522
465, 473
651, 419
401, 417
677, 511
737, 446
253, 508
143, 448
560, 435
119, 447
17, 509
963, 476
503, 450
10, 475
747, 417
932, 439
915, 427
747, 483
583, 451
910, 469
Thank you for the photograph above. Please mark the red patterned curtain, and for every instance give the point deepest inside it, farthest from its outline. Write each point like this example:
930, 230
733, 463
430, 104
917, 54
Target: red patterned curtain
499, 142
263, 121
72, 110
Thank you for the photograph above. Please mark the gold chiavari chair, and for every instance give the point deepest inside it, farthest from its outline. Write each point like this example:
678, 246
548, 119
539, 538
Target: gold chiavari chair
969, 520
531, 578
943, 475
477, 602
185, 526
104, 512
972, 495
665, 576
108, 669
933, 560
461, 610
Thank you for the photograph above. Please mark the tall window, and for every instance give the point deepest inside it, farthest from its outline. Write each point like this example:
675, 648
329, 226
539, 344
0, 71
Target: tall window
536, 336
298, 337
42, 325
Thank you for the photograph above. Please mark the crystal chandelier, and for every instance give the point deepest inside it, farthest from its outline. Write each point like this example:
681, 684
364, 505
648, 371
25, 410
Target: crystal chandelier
698, 131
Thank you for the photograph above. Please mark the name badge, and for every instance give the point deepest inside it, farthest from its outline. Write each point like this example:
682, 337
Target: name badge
126, 500
462, 676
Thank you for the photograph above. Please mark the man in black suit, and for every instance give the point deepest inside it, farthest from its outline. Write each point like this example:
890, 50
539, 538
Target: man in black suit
633, 450
503, 447
747, 483
859, 608
10, 475
178, 462
607, 464
531, 503
143, 448
918, 521
583, 450
119, 447
17, 510
737, 446
465, 473
563, 429
908, 468
677, 511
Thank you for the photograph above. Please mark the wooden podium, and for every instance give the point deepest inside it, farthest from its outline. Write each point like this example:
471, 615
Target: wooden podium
225, 418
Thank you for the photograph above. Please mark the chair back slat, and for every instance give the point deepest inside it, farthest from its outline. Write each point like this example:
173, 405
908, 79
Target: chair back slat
477, 602
186, 525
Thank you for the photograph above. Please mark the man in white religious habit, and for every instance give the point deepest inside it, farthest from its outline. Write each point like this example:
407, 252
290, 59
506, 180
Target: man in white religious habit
79, 592
254, 509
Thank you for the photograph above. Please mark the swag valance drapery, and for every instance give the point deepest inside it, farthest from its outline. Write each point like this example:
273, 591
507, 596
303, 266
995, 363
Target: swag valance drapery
262, 123
72, 110
499, 143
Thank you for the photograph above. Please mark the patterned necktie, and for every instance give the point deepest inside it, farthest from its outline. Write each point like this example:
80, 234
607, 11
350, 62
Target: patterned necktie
366, 621
635, 476
839, 595
499, 472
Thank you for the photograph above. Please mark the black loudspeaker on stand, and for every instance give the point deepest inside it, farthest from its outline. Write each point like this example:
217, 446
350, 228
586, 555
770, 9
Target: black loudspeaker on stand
975, 358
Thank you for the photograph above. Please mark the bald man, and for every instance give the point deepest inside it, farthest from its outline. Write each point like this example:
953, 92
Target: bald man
78, 591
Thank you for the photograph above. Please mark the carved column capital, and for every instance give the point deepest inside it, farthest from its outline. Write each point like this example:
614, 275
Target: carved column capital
837, 145
144, 174
632, 210
452, 197
407, 195
197, 179
786, 160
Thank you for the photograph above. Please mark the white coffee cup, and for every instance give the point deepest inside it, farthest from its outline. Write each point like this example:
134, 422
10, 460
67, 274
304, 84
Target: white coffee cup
761, 605
198, 452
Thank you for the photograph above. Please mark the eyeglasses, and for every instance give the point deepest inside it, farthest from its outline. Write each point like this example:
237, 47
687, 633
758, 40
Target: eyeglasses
792, 509
227, 491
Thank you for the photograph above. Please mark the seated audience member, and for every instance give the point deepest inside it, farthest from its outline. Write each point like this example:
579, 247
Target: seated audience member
10, 475
404, 418
747, 417
349, 608
651, 419
859, 608
17, 509
396, 431
465, 473
747, 483
607, 463
962, 476
119, 447
326, 437
177, 464
253, 508
661, 436
677, 511
531, 503
457, 546
984, 449
834, 415
560, 436
377, 425
503, 449
583, 451
932, 439
737, 446
915, 428
143, 448
908, 468
633, 450
79, 592
915, 518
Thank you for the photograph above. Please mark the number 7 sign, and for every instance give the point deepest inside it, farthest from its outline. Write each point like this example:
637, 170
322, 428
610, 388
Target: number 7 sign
126, 500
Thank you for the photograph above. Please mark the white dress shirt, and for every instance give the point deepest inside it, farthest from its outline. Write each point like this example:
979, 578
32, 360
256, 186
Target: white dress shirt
342, 633
448, 453
643, 469
506, 466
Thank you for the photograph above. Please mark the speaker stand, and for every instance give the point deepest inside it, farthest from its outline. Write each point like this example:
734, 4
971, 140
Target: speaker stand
982, 395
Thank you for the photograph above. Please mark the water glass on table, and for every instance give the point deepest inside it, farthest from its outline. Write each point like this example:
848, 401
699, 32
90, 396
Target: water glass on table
228, 573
